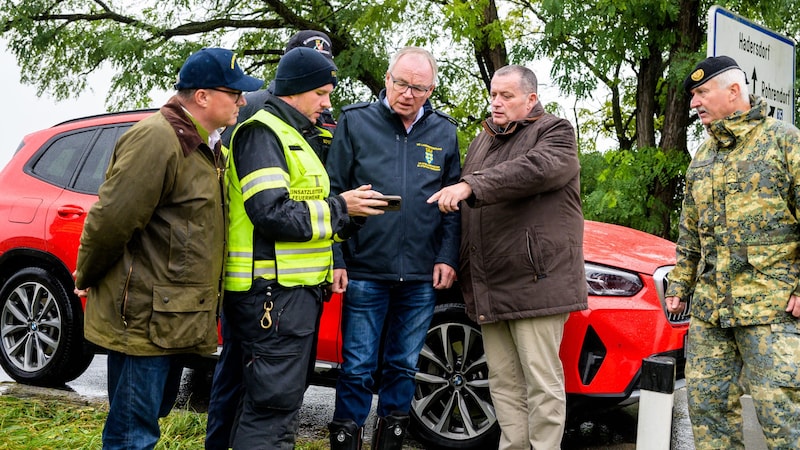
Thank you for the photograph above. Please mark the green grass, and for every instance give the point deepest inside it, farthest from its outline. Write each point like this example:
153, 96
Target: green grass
57, 424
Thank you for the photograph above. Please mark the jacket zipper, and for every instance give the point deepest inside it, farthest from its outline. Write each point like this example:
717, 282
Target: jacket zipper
404, 164
535, 262
221, 181
125, 296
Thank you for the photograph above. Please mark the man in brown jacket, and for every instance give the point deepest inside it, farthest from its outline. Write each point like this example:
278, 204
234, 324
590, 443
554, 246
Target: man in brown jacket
152, 248
522, 254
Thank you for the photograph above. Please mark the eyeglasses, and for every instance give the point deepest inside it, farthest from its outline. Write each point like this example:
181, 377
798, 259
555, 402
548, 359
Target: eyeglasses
401, 87
236, 94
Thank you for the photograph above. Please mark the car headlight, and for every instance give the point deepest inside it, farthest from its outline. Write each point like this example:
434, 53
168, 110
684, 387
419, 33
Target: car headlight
611, 282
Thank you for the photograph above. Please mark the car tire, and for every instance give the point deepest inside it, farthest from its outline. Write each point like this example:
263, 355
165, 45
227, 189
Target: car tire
452, 408
41, 330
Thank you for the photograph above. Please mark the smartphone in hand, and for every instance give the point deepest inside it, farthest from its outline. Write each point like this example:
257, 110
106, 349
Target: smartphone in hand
394, 202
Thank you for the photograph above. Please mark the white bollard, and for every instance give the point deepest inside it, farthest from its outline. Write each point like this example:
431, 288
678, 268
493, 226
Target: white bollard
657, 386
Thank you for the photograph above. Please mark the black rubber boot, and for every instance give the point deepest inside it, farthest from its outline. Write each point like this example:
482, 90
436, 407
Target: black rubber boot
390, 432
345, 435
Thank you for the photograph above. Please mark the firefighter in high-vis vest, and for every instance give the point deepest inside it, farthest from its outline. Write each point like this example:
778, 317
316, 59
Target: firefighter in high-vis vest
283, 222
227, 381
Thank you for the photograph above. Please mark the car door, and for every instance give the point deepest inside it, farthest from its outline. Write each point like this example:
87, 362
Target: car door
90, 149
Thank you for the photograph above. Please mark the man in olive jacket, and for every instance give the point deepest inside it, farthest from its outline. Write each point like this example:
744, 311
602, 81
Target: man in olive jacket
522, 268
152, 248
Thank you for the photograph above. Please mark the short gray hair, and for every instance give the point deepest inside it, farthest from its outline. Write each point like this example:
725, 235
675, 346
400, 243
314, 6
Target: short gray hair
729, 77
411, 50
527, 79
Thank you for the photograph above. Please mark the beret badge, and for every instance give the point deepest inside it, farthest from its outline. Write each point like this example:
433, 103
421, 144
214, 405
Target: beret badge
708, 69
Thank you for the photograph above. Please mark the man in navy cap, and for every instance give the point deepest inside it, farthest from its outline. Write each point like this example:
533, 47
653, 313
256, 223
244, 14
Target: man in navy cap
151, 254
738, 261
283, 222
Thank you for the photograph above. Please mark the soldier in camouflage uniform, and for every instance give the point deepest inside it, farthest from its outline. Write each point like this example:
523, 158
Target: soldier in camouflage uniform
738, 258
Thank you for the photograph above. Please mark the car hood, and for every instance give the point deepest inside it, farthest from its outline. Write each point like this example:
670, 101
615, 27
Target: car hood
625, 248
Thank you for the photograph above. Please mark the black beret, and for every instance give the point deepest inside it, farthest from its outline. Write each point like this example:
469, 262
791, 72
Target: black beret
708, 69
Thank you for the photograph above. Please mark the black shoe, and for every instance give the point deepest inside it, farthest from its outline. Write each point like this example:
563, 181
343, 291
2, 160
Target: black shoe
345, 435
390, 432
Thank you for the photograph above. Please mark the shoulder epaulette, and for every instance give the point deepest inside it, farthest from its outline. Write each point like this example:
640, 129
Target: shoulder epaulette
356, 106
446, 116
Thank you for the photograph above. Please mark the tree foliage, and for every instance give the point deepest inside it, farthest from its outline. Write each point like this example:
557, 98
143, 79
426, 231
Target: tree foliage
619, 64
616, 187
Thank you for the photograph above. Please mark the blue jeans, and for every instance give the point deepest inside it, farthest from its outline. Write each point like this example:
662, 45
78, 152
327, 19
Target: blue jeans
140, 390
405, 309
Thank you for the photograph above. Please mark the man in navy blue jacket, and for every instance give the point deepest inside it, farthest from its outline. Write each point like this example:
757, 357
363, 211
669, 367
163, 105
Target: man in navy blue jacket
393, 267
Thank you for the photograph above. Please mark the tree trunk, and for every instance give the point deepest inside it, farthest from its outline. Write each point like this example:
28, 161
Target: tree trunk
676, 116
650, 70
489, 57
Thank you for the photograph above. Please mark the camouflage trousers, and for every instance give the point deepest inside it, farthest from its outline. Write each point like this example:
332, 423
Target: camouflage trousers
725, 363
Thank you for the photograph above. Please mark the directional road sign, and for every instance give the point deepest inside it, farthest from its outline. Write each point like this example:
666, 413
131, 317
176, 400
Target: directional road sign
767, 58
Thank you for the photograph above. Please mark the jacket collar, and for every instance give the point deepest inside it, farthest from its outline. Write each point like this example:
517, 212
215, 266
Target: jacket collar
289, 114
725, 131
493, 130
185, 129
427, 109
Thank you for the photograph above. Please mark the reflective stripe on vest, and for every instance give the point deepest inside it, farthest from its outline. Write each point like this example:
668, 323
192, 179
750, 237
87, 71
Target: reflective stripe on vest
296, 263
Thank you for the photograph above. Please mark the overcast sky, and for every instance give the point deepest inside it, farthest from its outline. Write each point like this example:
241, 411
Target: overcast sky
24, 112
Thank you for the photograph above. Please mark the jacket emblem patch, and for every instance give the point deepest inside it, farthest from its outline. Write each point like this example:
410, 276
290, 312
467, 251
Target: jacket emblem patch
428, 163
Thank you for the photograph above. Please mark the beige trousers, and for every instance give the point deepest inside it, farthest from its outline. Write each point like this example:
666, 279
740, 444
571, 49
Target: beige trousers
526, 381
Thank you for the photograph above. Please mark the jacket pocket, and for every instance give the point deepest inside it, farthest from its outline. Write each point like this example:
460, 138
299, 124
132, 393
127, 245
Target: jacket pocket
769, 268
183, 316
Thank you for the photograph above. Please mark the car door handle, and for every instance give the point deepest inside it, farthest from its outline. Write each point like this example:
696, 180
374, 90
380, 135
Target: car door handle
70, 211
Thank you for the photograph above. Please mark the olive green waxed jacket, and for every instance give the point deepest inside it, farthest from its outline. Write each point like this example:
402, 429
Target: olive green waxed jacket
152, 247
737, 251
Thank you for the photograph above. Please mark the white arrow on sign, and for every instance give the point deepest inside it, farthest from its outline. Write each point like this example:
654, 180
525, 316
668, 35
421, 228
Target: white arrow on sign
767, 55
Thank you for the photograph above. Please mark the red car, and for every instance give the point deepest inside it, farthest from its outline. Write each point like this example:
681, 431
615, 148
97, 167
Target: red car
49, 185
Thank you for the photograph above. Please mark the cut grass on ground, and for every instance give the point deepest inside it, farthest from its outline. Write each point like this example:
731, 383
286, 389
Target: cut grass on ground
56, 424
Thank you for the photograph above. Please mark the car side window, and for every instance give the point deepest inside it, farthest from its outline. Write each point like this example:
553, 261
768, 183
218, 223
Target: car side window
58, 162
93, 171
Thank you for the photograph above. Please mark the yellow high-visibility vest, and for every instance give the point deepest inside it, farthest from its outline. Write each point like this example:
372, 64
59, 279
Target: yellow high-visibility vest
307, 263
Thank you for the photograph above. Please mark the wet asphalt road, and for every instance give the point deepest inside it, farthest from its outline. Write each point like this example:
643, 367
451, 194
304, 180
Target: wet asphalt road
611, 430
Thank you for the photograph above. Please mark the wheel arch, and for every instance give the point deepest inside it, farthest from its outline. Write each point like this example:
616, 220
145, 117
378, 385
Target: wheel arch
17, 259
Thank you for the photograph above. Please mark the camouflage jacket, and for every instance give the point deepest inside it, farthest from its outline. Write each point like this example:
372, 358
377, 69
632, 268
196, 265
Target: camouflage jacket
737, 251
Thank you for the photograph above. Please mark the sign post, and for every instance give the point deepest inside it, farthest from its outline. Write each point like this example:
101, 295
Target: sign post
657, 384
767, 58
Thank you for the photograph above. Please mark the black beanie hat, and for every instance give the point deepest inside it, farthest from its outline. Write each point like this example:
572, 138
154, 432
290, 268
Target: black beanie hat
708, 69
301, 70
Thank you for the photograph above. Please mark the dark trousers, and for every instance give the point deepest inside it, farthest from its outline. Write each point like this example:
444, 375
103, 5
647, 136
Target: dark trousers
226, 390
277, 350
